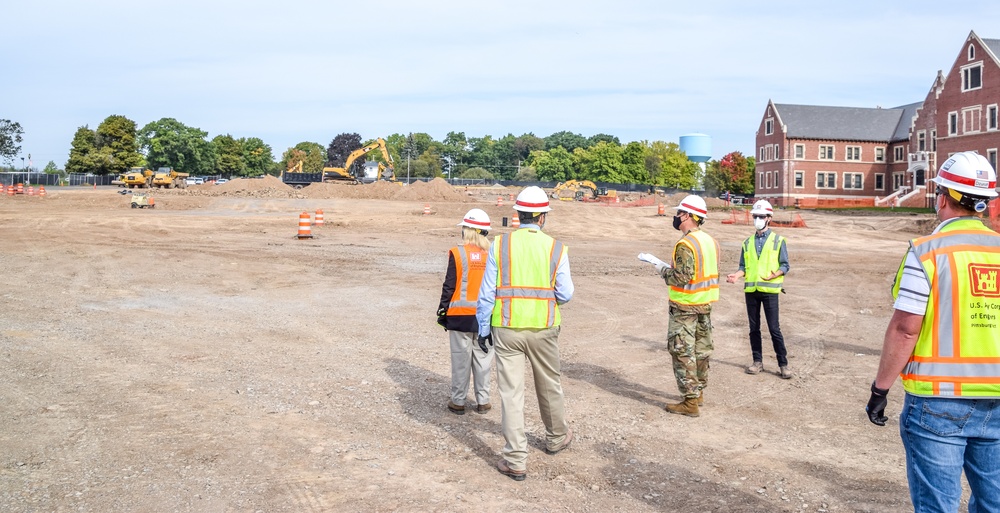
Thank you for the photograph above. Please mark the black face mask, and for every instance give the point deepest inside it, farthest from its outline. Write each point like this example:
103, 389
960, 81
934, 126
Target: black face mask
677, 222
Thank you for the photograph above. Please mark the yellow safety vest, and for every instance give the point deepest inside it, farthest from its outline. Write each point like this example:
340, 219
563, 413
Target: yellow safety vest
756, 268
957, 353
703, 288
527, 260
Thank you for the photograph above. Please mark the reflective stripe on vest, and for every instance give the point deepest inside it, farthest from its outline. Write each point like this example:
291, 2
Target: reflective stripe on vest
470, 263
527, 261
703, 288
756, 268
957, 353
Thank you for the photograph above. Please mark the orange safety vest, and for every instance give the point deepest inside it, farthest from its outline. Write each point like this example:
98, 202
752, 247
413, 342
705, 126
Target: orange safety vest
470, 264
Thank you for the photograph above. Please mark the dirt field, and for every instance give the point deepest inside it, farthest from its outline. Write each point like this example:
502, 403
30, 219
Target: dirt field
197, 357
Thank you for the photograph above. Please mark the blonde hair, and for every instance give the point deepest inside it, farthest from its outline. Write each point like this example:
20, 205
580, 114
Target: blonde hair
473, 236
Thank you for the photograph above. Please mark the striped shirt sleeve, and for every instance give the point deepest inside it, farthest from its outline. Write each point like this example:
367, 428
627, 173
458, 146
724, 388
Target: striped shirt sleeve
913, 287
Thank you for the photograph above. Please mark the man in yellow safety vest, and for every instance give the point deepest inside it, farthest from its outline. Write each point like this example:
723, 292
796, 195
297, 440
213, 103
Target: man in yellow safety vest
944, 342
526, 280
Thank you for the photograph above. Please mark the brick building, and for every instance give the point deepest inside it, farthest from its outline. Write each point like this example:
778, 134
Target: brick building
809, 155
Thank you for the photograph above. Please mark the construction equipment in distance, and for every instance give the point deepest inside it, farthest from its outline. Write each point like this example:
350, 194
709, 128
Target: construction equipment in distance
138, 177
296, 178
166, 177
142, 200
581, 190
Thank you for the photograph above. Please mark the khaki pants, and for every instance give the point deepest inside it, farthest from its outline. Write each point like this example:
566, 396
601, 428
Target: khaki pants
541, 348
466, 356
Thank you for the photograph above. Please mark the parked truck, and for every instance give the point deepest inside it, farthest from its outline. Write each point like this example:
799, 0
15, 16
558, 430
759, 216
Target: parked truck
138, 177
168, 178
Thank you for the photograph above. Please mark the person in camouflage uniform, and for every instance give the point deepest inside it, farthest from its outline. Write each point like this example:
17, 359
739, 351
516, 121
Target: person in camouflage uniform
694, 286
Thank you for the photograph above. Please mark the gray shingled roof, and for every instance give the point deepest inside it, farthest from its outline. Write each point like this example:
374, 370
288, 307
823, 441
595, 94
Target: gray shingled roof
902, 132
840, 123
993, 45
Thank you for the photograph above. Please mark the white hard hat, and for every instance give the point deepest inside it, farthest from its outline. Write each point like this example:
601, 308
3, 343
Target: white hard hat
968, 173
532, 199
476, 218
694, 205
762, 208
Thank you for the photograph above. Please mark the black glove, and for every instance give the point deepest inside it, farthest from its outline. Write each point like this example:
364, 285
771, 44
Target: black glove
876, 406
483, 340
442, 314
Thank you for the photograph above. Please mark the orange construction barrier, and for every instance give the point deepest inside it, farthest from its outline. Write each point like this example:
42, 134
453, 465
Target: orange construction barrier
427, 209
305, 230
515, 222
512, 197
20, 188
661, 210
31, 190
499, 201
10, 190
152, 202
319, 217
41, 190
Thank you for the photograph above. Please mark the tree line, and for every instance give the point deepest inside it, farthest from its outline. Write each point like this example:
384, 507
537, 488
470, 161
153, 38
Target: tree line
118, 144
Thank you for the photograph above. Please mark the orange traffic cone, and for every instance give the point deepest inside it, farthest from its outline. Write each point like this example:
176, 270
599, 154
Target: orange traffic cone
319, 217
31, 190
10, 190
499, 201
20, 188
515, 222
512, 197
661, 210
41, 190
305, 230
152, 202
427, 209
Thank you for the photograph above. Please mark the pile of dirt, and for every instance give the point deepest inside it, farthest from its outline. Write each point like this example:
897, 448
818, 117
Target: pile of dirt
378, 190
435, 190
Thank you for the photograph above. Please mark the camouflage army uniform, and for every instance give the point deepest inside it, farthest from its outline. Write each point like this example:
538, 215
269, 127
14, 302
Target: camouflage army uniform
689, 333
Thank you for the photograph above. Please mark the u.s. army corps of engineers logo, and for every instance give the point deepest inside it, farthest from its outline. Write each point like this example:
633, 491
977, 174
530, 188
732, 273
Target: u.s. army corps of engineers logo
983, 278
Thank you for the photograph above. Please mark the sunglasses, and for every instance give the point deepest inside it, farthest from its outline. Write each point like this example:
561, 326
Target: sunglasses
758, 216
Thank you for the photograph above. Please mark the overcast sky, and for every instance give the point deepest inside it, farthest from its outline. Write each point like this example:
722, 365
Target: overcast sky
295, 71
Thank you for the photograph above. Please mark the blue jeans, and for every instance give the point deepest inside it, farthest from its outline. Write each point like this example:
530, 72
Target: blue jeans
943, 436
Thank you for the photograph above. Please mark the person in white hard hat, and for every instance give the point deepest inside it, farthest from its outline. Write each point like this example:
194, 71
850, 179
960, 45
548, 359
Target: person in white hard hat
764, 263
694, 286
944, 342
457, 313
527, 279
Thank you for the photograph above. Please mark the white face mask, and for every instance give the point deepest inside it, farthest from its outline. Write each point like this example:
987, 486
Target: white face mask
759, 223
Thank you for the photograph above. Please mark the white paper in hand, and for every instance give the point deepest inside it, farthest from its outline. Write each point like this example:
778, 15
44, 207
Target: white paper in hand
646, 257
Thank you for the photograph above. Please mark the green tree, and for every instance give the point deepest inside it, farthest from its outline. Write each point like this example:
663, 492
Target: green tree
312, 155
674, 168
229, 156
610, 139
477, 172
527, 143
601, 162
10, 140
52, 169
258, 158
170, 143
117, 146
634, 163
526, 174
83, 151
568, 140
555, 165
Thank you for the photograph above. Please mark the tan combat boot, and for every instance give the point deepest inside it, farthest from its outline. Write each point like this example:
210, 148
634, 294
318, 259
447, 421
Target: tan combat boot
689, 407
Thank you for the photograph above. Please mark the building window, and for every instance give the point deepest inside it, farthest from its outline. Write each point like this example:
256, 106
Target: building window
777, 152
853, 153
760, 180
972, 119
897, 153
897, 181
762, 154
825, 152
799, 179
934, 140
770, 152
768, 126
991, 155
991, 117
952, 123
767, 180
921, 141
879, 181
972, 77
800, 151
853, 181
826, 180
972, 52
880, 154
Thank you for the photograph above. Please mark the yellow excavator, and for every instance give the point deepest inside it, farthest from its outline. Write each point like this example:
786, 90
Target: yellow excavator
580, 190
344, 173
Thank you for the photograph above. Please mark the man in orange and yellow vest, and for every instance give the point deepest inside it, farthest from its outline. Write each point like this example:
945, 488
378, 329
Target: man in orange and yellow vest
527, 279
944, 342
457, 314
694, 286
